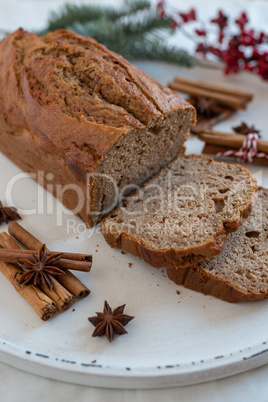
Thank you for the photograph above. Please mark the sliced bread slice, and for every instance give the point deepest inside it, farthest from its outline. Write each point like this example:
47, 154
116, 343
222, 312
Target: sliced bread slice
240, 272
183, 214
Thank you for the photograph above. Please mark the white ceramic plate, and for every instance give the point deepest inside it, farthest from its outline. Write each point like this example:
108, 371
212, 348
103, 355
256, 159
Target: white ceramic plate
175, 339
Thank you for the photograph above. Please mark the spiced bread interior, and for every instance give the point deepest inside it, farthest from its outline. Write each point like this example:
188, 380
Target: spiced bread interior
240, 272
184, 213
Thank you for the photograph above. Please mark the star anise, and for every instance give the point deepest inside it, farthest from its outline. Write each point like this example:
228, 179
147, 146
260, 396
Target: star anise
8, 214
39, 271
206, 107
110, 322
245, 129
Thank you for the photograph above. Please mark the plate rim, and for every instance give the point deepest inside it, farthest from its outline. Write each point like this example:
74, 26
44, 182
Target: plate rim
93, 374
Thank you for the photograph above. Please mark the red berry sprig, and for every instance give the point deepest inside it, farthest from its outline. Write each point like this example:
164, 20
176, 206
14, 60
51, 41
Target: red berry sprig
246, 49
187, 17
160, 9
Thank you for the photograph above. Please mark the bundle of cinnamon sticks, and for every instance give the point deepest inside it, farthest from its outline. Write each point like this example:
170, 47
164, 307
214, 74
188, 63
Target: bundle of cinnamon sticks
224, 101
43, 300
219, 142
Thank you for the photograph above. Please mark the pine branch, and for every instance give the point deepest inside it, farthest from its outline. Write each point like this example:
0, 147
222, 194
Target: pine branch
145, 23
104, 30
161, 52
135, 45
71, 13
133, 30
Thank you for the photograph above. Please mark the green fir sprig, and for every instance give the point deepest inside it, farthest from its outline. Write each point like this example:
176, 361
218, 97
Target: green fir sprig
133, 29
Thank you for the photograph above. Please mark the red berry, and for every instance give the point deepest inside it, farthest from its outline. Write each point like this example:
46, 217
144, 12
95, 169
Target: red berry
187, 17
200, 32
263, 71
221, 36
242, 20
216, 51
201, 48
174, 24
221, 20
160, 4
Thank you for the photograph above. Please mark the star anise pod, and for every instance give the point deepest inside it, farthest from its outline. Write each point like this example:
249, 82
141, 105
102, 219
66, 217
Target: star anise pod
8, 214
245, 129
39, 271
206, 107
110, 322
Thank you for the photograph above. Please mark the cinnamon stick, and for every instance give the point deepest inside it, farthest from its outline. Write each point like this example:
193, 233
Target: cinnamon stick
14, 256
61, 296
43, 305
214, 88
226, 99
74, 285
210, 149
65, 264
58, 293
235, 141
204, 123
69, 256
69, 281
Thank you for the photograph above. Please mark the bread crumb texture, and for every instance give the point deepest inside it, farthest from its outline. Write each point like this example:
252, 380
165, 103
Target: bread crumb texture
240, 272
182, 215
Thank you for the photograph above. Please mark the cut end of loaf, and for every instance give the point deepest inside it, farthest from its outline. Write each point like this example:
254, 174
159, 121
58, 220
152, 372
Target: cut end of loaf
135, 157
182, 215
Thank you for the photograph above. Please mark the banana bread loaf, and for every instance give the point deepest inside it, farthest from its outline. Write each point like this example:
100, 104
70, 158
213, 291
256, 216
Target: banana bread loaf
98, 124
240, 272
183, 214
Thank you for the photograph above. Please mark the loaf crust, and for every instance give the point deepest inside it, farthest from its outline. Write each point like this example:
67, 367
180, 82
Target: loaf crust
166, 258
178, 257
71, 98
197, 279
217, 282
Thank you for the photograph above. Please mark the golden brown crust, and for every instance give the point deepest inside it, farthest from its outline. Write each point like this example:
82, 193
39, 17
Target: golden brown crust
44, 91
27, 154
47, 115
202, 281
170, 258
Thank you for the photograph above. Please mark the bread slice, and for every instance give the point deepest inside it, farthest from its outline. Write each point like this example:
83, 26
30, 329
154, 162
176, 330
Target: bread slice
184, 213
92, 122
240, 272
